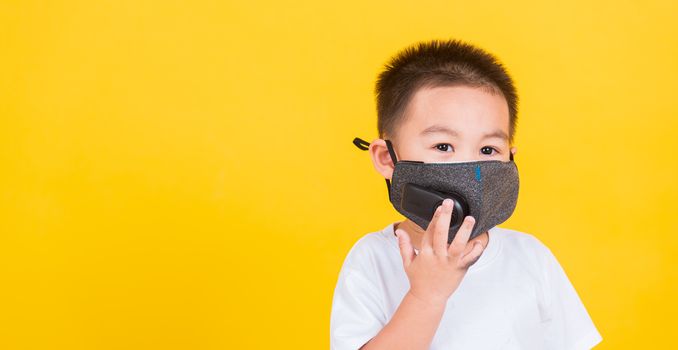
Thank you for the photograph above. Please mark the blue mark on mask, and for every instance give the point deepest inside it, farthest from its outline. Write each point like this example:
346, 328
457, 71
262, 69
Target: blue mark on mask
478, 173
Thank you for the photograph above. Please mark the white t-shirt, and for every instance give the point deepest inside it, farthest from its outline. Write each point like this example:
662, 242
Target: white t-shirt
516, 296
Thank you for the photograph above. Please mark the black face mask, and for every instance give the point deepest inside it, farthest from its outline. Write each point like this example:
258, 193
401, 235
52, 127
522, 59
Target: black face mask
486, 190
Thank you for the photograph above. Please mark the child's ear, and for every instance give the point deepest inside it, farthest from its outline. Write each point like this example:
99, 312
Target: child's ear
381, 158
514, 150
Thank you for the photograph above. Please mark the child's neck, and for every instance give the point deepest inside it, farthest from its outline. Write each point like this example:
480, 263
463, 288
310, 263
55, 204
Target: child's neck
416, 234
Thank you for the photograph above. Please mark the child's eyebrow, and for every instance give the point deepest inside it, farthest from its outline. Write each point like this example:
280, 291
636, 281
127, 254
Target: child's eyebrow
500, 134
433, 129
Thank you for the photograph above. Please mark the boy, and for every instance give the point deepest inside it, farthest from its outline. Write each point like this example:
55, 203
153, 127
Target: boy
421, 283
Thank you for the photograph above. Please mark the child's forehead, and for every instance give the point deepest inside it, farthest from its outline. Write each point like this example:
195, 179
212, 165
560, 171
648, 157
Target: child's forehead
455, 111
453, 101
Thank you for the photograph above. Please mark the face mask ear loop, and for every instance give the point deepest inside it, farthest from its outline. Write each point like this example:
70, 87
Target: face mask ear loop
511, 156
391, 152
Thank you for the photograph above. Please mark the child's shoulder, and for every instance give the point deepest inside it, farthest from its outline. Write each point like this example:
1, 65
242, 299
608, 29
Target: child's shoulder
371, 246
520, 243
515, 237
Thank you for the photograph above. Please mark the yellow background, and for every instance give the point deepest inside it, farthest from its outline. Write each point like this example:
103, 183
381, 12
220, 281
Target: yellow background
180, 175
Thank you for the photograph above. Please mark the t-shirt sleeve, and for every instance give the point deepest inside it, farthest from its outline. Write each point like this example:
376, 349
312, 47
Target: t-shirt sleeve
357, 310
567, 324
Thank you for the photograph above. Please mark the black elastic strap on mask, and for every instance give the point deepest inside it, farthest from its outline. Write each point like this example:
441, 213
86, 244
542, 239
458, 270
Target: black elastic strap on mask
391, 152
364, 145
360, 143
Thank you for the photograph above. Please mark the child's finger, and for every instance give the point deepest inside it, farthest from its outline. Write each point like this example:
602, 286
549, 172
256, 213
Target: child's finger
472, 256
461, 238
427, 240
442, 228
406, 249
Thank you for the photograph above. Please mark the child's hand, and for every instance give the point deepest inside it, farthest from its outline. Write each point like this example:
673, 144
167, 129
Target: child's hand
436, 272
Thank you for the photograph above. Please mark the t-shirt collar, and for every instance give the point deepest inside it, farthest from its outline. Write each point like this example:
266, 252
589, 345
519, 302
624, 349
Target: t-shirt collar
490, 252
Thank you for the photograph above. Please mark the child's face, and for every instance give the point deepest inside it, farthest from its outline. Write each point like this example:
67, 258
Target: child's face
449, 124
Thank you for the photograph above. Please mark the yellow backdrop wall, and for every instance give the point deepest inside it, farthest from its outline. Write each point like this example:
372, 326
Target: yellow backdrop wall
180, 175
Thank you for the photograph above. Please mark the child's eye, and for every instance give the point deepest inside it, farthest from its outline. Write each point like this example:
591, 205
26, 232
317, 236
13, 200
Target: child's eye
445, 147
487, 150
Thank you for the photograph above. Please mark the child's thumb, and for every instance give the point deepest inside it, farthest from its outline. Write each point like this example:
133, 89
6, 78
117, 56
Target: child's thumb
406, 249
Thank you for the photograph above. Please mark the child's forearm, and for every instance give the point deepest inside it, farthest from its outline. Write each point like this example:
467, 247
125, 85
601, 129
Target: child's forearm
412, 326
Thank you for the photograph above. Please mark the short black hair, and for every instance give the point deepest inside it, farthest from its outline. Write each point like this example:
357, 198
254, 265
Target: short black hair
437, 63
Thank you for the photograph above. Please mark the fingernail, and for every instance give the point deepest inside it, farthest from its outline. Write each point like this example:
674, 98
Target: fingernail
447, 203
